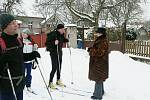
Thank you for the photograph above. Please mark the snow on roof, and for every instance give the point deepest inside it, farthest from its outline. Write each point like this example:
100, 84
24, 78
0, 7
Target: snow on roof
36, 33
110, 24
43, 22
107, 24
73, 25
19, 22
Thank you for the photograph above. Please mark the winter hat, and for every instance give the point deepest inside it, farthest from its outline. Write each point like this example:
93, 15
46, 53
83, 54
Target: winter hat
59, 26
101, 30
5, 19
26, 31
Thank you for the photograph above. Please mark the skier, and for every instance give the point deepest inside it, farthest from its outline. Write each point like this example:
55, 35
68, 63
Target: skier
98, 65
11, 60
54, 43
29, 50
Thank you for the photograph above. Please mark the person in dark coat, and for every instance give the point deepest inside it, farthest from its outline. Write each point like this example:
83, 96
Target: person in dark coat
98, 65
11, 60
54, 43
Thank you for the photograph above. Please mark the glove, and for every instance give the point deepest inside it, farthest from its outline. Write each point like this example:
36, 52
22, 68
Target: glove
34, 65
56, 42
89, 49
66, 40
35, 47
36, 54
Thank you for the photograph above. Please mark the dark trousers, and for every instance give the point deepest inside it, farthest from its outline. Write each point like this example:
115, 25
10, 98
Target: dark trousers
28, 67
99, 90
56, 65
10, 96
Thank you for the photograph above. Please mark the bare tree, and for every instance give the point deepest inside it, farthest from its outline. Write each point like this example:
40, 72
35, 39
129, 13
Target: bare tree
94, 11
10, 6
51, 9
80, 10
90, 11
127, 11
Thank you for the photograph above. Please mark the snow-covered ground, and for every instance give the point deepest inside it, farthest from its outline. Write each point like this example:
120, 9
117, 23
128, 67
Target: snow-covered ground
128, 79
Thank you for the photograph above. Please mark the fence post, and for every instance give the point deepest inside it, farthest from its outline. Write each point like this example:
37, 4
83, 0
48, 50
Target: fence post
123, 37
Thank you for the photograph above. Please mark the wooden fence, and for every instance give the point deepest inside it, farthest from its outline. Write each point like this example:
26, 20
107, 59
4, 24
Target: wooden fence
141, 50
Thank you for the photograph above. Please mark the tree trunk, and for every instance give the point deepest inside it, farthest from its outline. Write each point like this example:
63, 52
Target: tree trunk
123, 36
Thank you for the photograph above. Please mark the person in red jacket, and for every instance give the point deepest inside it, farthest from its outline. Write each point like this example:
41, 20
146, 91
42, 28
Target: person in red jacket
12, 71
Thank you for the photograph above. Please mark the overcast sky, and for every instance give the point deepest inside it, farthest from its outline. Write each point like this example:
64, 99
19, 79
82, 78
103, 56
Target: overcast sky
146, 9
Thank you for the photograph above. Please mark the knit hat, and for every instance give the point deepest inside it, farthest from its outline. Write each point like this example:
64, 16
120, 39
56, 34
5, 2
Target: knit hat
26, 31
5, 19
59, 26
101, 30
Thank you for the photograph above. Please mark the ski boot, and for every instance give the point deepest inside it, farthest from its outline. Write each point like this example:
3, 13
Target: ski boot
59, 83
95, 98
52, 86
29, 89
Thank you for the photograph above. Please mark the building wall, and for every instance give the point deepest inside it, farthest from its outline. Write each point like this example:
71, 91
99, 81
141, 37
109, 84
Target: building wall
33, 23
72, 36
39, 39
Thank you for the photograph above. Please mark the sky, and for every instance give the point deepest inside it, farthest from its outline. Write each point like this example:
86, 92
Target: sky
27, 5
128, 79
146, 10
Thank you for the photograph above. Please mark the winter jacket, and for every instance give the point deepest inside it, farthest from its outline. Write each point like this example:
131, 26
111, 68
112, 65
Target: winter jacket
98, 65
50, 41
12, 59
28, 50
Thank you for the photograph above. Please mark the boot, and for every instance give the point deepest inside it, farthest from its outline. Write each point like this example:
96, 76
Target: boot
95, 98
52, 86
59, 83
30, 89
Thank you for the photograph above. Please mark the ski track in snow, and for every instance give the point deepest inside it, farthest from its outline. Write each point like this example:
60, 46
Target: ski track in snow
128, 79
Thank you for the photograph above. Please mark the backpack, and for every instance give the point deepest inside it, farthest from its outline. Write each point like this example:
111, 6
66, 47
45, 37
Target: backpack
3, 45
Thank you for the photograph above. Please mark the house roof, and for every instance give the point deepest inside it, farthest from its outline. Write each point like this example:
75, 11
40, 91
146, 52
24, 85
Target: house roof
32, 17
51, 19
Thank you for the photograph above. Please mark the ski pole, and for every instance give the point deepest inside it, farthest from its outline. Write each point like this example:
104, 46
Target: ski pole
58, 59
71, 65
44, 79
11, 82
59, 64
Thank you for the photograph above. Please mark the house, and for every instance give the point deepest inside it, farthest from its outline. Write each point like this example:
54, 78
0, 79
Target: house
142, 34
52, 22
35, 27
32, 23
